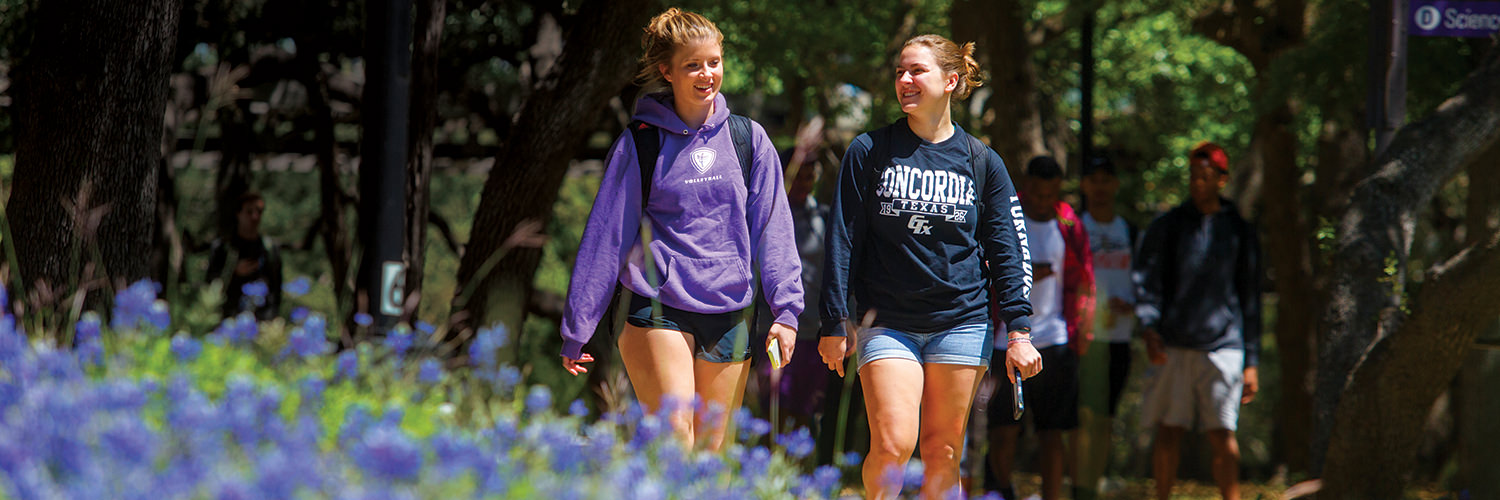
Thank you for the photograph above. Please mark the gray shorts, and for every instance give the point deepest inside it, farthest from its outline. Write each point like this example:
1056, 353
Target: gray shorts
1205, 386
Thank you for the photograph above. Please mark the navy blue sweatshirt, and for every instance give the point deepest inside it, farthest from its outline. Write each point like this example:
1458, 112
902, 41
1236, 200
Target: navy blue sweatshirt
909, 232
1197, 280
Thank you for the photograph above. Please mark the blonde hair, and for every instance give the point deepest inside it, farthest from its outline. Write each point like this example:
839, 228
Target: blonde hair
952, 58
664, 34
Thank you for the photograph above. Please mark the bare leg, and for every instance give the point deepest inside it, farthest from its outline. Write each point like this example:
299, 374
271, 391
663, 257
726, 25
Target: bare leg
721, 387
893, 396
1164, 459
1226, 462
946, 399
1003, 452
660, 365
1052, 464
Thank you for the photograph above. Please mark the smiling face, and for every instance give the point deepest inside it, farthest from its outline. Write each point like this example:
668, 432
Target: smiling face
695, 73
920, 83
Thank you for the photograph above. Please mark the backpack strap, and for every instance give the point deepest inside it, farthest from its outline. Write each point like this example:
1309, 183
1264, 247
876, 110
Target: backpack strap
647, 146
739, 132
980, 163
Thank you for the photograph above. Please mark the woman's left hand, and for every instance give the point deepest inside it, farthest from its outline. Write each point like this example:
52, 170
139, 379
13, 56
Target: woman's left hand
787, 337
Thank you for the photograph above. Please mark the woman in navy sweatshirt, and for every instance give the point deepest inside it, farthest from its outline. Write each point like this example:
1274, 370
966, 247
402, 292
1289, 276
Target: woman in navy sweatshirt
686, 252
924, 226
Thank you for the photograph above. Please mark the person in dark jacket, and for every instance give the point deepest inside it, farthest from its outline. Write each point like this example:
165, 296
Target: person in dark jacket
252, 283
1197, 278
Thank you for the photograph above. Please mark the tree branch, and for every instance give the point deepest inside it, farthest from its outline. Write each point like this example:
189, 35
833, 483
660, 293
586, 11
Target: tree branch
1375, 235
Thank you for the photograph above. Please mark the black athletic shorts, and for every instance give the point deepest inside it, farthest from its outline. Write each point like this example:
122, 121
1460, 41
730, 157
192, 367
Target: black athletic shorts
1051, 396
720, 337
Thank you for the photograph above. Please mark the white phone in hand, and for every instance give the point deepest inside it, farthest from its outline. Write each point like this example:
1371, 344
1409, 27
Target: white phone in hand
773, 350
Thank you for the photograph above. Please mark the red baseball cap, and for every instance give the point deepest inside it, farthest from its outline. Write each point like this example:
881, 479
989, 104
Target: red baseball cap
1212, 155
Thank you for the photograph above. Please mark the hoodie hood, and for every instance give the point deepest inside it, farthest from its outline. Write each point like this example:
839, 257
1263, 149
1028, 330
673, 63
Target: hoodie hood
659, 110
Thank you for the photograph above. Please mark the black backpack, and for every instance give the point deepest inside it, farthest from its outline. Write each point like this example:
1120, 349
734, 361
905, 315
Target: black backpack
647, 139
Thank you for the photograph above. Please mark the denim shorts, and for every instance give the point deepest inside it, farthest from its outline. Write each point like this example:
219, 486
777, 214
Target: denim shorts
717, 337
961, 345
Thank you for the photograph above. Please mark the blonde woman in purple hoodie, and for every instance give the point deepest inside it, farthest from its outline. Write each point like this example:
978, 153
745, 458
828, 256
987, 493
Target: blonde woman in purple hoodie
686, 255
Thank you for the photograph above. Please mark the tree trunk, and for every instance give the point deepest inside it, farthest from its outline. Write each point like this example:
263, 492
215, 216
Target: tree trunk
424, 90
334, 200
1387, 358
597, 59
1274, 148
90, 99
1012, 117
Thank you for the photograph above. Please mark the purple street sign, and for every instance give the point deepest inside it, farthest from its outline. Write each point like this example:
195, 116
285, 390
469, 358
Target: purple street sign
1465, 19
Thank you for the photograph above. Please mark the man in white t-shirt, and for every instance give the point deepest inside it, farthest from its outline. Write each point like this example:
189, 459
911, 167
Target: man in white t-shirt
1062, 309
1111, 239
1102, 374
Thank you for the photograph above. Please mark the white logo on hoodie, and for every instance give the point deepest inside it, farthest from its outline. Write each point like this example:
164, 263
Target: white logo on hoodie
703, 159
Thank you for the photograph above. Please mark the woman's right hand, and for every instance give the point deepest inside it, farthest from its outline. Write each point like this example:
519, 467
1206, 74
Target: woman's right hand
1022, 356
835, 349
574, 367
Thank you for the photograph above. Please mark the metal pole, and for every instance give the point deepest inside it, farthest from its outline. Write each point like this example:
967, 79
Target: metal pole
1387, 73
382, 180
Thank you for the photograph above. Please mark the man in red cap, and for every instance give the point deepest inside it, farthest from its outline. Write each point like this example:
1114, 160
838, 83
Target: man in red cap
1197, 278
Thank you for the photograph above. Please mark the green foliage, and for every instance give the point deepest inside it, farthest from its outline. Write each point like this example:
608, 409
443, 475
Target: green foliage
1161, 90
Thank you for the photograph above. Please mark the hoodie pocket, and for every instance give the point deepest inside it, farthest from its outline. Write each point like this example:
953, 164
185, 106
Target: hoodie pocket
716, 283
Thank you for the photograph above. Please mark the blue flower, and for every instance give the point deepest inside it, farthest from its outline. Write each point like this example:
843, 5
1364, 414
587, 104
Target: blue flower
363, 319
241, 328
578, 409
133, 305
387, 453
88, 327
849, 459
799, 443
426, 328
754, 463
314, 323
130, 441
398, 341
755, 428
185, 348
256, 289
305, 342
90, 352
825, 479
538, 399
297, 287
347, 366
299, 314
431, 372
486, 342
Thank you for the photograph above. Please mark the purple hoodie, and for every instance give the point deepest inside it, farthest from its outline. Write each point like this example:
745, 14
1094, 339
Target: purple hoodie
700, 244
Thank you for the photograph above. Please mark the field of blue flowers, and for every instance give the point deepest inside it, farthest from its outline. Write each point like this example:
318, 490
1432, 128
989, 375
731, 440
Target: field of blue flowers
139, 408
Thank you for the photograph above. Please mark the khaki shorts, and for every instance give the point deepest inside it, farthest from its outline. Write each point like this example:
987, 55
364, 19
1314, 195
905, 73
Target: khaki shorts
1195, 389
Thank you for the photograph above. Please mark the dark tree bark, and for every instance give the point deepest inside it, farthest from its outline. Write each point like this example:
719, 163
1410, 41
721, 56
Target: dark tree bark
1288, 246
597, 59
424, 91
1013, 115
334, 200
1389, 353
90, 99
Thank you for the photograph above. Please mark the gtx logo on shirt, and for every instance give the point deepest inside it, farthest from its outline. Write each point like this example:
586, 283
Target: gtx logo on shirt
919, 225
